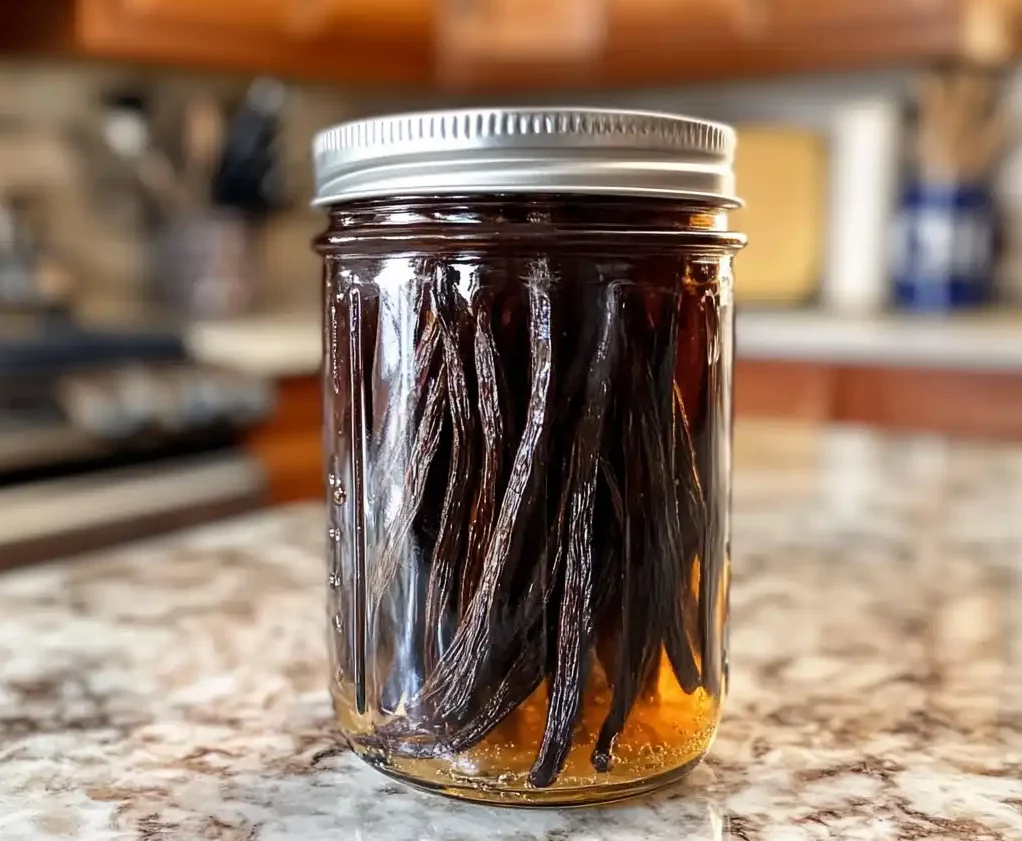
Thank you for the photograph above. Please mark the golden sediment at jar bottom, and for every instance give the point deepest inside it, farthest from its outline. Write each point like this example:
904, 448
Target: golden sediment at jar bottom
666, 734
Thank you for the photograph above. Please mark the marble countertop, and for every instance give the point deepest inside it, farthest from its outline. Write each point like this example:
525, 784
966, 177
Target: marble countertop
176, 689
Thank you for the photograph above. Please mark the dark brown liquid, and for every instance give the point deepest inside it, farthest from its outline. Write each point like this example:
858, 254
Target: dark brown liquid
528, 426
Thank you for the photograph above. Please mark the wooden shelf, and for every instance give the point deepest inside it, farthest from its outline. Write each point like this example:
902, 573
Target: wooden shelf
408, 42
980, 404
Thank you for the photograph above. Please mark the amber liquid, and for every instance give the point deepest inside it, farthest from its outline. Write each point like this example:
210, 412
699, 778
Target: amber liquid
666, 733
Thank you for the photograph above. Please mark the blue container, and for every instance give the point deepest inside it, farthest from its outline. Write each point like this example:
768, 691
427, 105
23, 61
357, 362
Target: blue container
943, 256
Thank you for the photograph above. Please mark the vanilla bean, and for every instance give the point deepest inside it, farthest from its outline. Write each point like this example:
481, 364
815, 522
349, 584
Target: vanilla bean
637, 630
651, 491
391, 451
483, 511
681, 531
449, 690
519, 681
666, 546
709, 453
424, 448
446, 562
575, 626
683, 500
694, 519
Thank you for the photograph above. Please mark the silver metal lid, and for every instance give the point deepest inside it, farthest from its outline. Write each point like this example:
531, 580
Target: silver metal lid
533, 150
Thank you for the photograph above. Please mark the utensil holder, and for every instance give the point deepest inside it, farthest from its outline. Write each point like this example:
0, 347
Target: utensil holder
943, 256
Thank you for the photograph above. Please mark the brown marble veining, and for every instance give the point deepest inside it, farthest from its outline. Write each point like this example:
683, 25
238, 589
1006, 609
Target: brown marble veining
176, 690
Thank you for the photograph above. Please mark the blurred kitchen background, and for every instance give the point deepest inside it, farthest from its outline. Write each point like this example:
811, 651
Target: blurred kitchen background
159, 303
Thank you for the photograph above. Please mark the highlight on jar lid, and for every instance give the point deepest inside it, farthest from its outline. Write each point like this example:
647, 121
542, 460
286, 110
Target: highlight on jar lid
535, 150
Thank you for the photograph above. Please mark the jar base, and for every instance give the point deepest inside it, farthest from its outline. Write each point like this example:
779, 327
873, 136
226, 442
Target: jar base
481, 792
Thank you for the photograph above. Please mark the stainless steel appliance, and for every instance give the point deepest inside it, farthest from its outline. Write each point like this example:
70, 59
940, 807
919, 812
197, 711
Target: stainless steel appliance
108, 435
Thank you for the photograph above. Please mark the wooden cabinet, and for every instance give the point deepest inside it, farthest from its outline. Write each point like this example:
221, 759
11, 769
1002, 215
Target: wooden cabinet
369, 41
718, 19
773, 389
976, 30
385, 20
259, 16
708, 39
519, 45
982, 404
290, 443
812, 13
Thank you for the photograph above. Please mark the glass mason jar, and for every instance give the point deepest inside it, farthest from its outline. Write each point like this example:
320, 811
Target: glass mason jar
528, 353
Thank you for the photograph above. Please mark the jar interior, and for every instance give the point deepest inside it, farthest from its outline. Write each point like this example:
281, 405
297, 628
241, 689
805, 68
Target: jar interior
528, 448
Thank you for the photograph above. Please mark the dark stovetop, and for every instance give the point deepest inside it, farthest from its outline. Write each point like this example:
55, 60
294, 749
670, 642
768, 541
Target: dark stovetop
61, 347
76, 399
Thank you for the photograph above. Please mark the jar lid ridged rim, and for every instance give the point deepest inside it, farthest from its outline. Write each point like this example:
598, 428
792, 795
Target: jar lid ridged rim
525, 150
